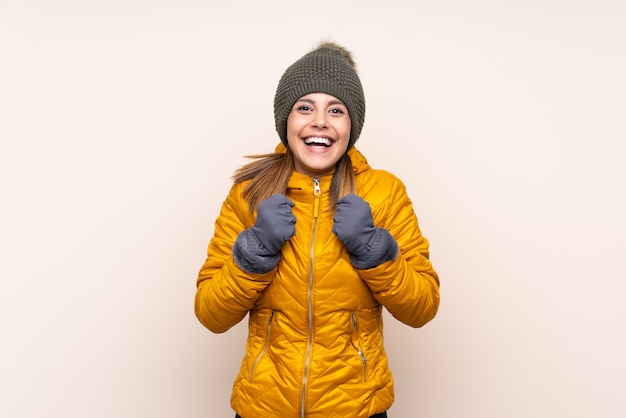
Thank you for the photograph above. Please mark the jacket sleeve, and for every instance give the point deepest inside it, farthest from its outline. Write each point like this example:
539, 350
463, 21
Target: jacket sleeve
225, 293
407, 286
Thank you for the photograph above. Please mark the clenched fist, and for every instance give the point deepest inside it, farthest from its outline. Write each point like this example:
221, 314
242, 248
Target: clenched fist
368, 245
257, 250
275, 223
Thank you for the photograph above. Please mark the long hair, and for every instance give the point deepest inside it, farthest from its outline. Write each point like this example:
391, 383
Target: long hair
270, 175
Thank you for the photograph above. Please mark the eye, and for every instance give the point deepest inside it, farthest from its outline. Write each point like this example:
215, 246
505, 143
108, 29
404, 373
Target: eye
303, 108
337, 111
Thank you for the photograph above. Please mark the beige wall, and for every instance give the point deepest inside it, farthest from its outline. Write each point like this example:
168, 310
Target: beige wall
122, 121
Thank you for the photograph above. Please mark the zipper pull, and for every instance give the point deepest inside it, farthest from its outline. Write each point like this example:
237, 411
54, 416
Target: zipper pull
317, 191
316, 187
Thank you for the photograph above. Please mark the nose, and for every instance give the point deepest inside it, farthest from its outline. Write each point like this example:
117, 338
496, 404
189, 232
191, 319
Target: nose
320, 120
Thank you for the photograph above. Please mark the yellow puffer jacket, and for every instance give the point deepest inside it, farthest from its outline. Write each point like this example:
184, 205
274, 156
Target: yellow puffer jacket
315, 342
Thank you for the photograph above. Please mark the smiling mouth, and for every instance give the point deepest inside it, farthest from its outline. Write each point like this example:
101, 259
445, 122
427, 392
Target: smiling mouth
317, 141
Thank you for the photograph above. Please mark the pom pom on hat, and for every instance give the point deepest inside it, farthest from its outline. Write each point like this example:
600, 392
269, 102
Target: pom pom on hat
329, 69
343, 51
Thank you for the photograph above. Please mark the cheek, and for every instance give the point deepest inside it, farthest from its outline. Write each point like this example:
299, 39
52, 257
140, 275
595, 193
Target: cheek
294, 125
345, 130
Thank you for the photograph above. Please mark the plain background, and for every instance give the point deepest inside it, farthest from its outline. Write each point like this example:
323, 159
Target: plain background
121, 123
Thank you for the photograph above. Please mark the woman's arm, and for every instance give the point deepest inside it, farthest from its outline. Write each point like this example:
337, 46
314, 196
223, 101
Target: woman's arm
225, 293
407, 286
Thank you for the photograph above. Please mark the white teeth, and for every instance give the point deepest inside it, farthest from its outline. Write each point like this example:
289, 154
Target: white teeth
316, 140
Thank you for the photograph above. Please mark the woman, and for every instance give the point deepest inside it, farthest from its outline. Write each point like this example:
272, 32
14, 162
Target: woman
312, 242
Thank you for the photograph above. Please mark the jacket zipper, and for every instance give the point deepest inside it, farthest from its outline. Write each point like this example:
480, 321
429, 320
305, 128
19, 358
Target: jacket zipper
267, 343
316, 207
355, 324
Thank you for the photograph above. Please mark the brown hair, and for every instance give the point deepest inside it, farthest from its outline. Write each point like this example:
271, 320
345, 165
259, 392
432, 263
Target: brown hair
270, 175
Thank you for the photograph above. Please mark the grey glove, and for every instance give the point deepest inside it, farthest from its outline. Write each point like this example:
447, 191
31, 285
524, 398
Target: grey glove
368, 245
257, 250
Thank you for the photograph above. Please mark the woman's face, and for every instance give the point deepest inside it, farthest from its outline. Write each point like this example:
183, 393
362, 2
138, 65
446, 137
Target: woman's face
318, 132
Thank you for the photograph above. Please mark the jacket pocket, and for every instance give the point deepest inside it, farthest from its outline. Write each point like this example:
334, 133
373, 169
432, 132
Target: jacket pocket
265, 345
356, 343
